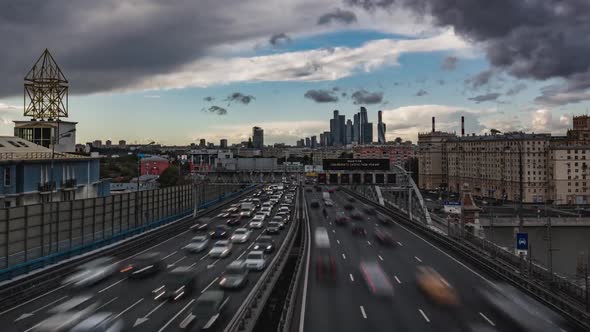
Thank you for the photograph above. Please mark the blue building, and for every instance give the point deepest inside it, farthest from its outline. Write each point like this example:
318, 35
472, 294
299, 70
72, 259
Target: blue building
33, 174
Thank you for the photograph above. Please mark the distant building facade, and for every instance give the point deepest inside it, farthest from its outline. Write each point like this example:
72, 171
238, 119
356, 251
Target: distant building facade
397, 154
257, 138
154, 165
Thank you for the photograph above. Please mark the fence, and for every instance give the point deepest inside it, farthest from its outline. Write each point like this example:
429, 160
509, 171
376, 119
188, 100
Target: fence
35, 235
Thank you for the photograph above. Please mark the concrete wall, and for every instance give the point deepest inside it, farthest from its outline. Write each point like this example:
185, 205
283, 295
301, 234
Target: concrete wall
35, 231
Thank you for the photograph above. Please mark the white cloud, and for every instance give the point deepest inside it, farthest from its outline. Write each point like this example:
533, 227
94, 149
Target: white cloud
8, 113
274, 131
542, 121
313, 65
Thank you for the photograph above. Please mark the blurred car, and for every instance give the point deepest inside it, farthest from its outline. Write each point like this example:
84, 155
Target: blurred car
241, 235
67, 315
308, 190
100, 321
206, 310
221, 249
359, 231
436, 287
233, 221
376, 280
384, 237
351, 199
272, 230
235, 275
265, 243
144, 265
255, 224
328, 202
266, 210
182, 281
369, 211
284, 208
197, 244
348, 206
277, 224
93, 272
384, 221
332, 190
279, 220
321, 238
315, 204
256, 260
259, 217
356, 215
342, 220
284, 215
325, 267
519, 312
219, 232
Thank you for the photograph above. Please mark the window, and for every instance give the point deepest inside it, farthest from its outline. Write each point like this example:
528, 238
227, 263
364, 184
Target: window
7, 177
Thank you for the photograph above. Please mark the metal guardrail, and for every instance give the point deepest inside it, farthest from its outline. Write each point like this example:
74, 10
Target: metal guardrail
291, 298
566, 308
247, 314
32, 285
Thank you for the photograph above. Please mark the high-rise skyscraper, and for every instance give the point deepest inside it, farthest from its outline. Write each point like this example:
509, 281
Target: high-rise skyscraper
257, 138
349, 132
223, 143
307, 142
322, 140
314, 142
355, 128
327, 138
337, 128
342, 129
380, 128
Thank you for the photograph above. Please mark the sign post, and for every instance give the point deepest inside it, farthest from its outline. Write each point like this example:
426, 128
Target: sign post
522, 243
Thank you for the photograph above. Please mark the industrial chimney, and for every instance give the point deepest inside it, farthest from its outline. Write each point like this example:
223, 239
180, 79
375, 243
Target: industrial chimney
462, 126
433, 128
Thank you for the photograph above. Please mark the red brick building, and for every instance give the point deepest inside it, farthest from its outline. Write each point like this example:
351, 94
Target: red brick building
154, 165
396, 153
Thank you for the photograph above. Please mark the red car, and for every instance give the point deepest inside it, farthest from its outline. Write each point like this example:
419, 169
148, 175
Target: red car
325, 268
342, 220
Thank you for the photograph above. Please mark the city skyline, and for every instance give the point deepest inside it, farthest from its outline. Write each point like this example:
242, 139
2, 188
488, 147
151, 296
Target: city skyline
289, 74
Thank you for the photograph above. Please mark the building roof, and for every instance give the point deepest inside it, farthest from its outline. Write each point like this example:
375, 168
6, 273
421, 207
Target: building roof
502, 137
154, 158
15, 148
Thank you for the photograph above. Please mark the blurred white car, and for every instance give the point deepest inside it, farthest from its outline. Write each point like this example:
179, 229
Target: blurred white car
266, 210
221, 249
92, 272
256, 260
259, 217
241, 235
197, 244
255, 224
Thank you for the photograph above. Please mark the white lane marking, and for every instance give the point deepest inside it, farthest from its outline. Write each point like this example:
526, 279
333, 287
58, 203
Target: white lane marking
399, 244
178, 261
169, 255
128, 308
351, 277
242, 254
29, 314
304, 300
338, 241
112, 285
213, 264
397, 279
424, 315
34, 299
206, 255
175, 316
33, 327
107, 303
344, 256
363, 312
152, 247
369, 242
381, 258
211, 284
418, 259
154, 310
487, 319
193, 264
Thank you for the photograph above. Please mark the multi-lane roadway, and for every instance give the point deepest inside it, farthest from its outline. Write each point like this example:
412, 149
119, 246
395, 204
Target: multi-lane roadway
132, 301
346, 304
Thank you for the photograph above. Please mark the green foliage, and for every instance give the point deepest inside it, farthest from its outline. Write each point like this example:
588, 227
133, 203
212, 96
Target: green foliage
120, 169
170, 177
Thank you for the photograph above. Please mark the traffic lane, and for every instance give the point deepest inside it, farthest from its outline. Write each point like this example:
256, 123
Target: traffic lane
173, 254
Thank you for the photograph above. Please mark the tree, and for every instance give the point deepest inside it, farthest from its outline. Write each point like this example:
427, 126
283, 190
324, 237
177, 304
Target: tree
170, 177
398, 140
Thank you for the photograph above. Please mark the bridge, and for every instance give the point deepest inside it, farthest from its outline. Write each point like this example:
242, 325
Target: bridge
291, 294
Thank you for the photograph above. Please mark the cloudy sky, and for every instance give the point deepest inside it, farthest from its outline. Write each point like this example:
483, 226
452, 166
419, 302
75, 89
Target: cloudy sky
179, 70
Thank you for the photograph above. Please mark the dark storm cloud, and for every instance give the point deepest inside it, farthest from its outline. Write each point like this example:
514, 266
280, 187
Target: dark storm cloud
516, 89
575, 90
110, 44
450, 63
477, 81
321, 96
534, 39
421, 93
339, 16
486, 97
217, 109
209, 99
239, 98
279, 39
365, 97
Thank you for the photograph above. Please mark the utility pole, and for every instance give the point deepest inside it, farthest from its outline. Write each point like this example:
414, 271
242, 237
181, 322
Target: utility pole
549, 245
521, 187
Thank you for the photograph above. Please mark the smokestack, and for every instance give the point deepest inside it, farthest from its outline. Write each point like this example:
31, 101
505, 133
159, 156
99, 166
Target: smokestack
462, 126
433, 127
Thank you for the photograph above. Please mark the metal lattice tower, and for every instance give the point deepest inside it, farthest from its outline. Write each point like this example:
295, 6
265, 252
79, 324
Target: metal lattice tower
46, 90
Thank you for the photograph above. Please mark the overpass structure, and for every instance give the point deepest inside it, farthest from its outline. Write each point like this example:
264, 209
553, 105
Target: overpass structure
289, 296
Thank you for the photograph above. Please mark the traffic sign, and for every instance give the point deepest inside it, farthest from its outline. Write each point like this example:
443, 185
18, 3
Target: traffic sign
522, 241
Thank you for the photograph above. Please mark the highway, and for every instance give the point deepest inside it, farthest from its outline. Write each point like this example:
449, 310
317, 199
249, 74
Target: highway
346, 303
132, 300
